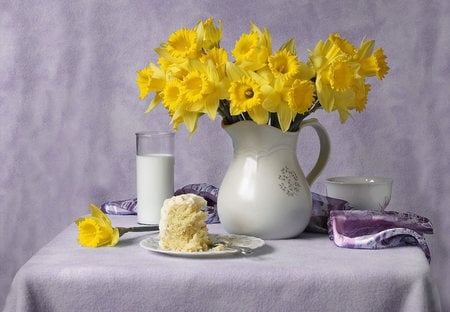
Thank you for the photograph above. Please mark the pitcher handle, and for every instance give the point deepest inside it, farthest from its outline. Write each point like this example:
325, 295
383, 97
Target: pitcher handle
324, 152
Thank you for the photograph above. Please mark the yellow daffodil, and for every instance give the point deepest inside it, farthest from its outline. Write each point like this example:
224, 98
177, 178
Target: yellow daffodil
326, 51
341, 71
372, 63
284, 64
206, 89
342, 74
275, 102
209, 33
219, 57
246, 47
252, 49
287, 99
245, 94
265, 37
196, 86
194, 77
340, 46
332, 99
183, 44
301, 96
96, 230
176, 104
375, 65
288, 91
172, 95
149, 79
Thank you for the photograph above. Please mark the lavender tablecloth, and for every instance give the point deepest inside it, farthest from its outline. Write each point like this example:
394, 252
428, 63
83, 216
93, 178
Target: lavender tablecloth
308, 273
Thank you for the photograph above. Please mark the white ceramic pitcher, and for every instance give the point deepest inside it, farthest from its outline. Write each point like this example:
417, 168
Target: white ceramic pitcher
264, 192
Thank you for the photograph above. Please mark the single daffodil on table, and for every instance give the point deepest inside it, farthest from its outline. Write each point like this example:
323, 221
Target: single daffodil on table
96, 230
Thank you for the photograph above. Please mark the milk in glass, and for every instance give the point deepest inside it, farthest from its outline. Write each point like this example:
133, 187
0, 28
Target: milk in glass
154, 184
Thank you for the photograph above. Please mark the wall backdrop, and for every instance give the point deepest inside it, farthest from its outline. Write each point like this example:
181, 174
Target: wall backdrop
69, 107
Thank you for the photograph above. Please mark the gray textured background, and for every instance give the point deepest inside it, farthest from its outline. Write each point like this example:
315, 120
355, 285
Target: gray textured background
69, 107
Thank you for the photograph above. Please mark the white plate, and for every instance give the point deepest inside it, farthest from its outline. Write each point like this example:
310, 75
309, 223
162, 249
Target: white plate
152, 243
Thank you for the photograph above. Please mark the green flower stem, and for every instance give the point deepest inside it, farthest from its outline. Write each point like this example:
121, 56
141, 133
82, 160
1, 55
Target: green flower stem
123, 230
274, 120
295, 124
224, 111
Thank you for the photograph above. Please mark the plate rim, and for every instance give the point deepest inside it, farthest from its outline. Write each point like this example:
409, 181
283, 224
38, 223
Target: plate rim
208, 253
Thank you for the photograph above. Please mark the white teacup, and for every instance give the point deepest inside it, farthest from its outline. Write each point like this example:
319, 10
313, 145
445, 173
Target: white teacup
362, 193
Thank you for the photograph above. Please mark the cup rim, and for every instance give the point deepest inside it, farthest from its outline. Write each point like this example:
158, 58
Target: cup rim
152, 133
358, 180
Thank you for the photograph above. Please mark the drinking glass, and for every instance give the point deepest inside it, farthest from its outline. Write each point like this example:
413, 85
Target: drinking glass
154, 173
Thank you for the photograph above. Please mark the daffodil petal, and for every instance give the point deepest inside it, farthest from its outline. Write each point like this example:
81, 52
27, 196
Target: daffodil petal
97, 213
284, 117
259, 115
115, 238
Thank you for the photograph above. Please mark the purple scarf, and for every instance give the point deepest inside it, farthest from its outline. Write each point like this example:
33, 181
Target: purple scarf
348, 228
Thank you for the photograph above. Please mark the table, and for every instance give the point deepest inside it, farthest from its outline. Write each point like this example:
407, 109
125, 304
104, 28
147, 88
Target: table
308, 273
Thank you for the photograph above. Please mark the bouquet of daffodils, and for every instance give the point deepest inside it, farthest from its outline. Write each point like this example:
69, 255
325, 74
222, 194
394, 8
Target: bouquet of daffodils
195, 77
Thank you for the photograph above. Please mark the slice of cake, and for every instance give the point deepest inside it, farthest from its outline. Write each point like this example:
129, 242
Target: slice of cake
182, 226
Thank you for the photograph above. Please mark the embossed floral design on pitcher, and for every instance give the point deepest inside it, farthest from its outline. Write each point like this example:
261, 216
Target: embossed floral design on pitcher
289, 181
264, 192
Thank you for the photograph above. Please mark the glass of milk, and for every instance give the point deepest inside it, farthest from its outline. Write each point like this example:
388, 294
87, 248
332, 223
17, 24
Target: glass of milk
154, 173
